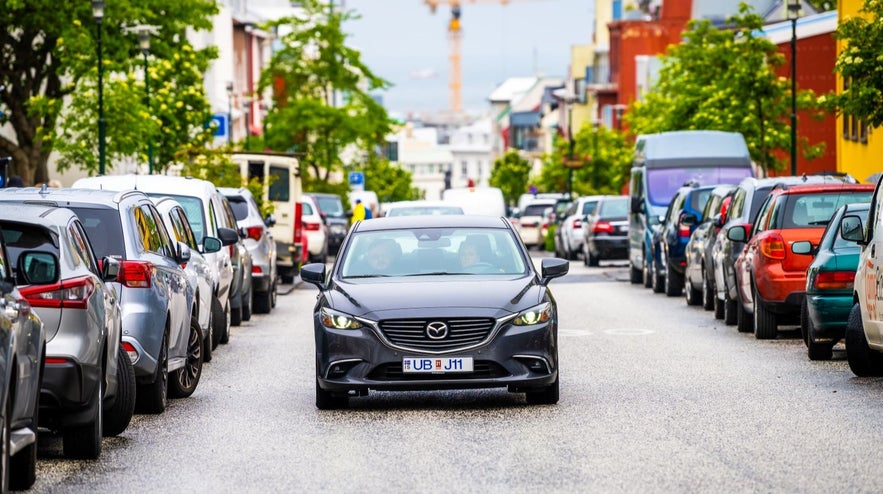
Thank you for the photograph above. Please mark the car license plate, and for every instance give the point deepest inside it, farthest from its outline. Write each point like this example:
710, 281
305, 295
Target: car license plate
436, 365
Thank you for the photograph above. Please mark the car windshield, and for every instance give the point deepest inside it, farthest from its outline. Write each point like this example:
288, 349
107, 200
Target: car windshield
663, 183
193, 210
536, 209
331, 206
616, 208
425, 210
432, 251
105, 231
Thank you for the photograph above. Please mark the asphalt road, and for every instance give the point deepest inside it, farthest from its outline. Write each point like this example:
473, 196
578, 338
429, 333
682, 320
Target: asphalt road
656, 396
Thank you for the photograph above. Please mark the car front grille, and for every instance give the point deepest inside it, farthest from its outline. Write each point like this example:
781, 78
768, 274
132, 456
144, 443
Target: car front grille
481, 369
411, 333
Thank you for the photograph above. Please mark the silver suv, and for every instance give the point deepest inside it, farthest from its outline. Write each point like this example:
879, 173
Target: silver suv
260, 244
88, 382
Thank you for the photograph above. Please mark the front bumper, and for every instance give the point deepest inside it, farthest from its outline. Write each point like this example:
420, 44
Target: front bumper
517, 357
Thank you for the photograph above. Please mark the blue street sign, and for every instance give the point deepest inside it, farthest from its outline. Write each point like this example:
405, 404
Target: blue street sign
220, 122
357, 178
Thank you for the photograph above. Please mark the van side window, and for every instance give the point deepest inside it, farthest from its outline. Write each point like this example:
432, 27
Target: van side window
279, 184
256, 170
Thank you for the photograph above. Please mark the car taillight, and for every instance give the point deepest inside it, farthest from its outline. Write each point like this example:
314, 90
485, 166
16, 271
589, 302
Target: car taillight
135, 274
310, 226
56, 360
298, 223
773, 246
577, 224
256, 270
254, 232
130, 351
602, 227
835, 280
684, 230
72, 293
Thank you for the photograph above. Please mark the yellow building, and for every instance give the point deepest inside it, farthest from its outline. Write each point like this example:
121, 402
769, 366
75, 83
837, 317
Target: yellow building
858, 152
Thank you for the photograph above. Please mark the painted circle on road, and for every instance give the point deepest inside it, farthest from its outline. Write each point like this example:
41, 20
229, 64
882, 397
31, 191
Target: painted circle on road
629, 331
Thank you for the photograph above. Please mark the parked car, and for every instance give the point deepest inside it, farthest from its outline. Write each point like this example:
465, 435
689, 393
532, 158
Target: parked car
200, 277
747, 200
772, 279
569, 233
530, 222
605, 231
203, 206
88, 387
331, 208
420, 208
387, 320
22, 349
670, 240
699, 271
260, 244
315, 230
241, 291
829, 284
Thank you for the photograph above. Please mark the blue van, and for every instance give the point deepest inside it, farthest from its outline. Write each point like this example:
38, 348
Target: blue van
662, 164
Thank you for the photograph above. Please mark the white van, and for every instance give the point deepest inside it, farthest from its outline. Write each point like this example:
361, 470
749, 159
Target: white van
282, 173
477, 200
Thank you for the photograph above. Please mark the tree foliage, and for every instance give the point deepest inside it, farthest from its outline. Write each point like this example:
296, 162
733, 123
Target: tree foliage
606, 155
48, 51
861, 64
511, 174
313, 69
725, 79
390, 183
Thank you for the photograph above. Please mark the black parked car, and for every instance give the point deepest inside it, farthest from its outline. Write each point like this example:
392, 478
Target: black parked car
435, 302
606, 230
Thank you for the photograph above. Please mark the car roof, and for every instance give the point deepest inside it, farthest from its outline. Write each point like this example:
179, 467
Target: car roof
794, 180
62, 197
148, 183
440, 221
40, 214
235, 191
825, 187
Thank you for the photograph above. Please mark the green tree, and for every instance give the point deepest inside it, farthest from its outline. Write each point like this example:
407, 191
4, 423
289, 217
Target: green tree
321, 92
725, 79
859, 63
511, 174
606, 155
390, 183
48, 52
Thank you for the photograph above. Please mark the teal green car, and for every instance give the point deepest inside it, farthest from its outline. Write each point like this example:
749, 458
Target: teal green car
829, 283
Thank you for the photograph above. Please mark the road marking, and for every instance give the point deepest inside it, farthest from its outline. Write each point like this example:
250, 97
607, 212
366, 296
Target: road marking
574, 332
629, 332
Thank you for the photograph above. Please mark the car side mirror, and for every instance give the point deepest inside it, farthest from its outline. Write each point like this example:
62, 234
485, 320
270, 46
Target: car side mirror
270, 221
228, 236
553, 267
314, 273
37, 268
803, 247
851, 229
110, 269
737, 233
210, 245
182, 254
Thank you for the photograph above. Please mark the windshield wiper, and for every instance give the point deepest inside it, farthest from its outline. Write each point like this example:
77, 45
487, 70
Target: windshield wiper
366, 276
433, 273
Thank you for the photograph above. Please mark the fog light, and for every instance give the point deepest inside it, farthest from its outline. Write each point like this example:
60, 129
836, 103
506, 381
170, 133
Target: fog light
130, 350
534, 364
340, 369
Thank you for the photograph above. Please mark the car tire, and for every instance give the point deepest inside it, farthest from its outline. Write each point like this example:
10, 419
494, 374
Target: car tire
674, 283
594, 260
274, 293
118, 415
184, 380
730, 308
547, 396
325, 400
246, 305
84, 441
152, 398
220, 321
804, 320
224, 338
708, 293
22, 467
814, 350
262, 302
647, 273
765, 326
657, 280
5, 447
207, 340
863, 361
636, 275
693, 296
235, 315
744, 320
586, 263
287, 279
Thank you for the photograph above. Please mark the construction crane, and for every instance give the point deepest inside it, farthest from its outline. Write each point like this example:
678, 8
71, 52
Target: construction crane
454, 36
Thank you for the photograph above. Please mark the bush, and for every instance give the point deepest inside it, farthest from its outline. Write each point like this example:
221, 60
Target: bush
550, 237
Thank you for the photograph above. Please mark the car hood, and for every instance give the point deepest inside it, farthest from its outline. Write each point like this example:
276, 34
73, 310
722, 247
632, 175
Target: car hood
477, 295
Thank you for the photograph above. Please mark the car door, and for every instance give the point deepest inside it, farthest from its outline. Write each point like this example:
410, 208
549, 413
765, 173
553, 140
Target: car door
745, 261
870, 292
197, 264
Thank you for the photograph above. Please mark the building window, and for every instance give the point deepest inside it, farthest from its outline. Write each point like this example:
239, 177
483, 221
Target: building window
854, 129
464, 168
480, 172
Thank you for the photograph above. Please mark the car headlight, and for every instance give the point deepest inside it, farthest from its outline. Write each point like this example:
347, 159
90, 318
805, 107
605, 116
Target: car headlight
338, 320
535, 315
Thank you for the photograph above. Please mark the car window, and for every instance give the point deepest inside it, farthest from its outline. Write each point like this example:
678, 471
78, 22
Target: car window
330, 205
148, 231
306, 209
279, 184
737, 204
183, 231
589, 207
212, 218
239, 207
81, 246
536, 209
663, 183
698, 199
105, 229
614, 208
762, 215
192, 207
811, 210
168, 246
229, 216
20, 237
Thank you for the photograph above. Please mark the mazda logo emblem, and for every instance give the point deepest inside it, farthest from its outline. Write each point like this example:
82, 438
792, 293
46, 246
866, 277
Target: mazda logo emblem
436, 330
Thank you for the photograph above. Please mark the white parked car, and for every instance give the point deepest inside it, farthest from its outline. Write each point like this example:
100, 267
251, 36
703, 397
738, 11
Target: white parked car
315, 229
421, 208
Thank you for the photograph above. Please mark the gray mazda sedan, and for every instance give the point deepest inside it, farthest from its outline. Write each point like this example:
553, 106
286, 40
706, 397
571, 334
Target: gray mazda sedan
435, 302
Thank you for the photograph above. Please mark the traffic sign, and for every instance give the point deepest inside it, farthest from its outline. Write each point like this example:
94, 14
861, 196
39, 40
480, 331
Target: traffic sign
220, 122
357, 178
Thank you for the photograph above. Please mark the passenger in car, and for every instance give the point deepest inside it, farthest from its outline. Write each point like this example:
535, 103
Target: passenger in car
383, 255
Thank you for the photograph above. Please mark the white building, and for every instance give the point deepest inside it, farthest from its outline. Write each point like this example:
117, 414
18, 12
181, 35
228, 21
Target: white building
420, 153
472, 153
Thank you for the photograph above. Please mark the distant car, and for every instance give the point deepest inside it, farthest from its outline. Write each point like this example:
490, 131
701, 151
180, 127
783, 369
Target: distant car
241, 290
569, 232
530, 222
771, 278
699, 271
670, 240
419, 208
331, 208
315, 230
829, 284
605, 231
22, 348
435, 302
260, 244
88, 384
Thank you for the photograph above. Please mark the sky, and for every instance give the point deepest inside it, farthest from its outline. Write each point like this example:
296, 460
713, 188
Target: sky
404, 43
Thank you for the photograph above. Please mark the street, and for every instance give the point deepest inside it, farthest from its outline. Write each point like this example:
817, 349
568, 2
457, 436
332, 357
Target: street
656, 396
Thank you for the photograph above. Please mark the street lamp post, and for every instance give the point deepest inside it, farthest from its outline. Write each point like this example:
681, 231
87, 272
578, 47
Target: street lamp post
570, 144
98, 15
793, 14
230, 112
144, 43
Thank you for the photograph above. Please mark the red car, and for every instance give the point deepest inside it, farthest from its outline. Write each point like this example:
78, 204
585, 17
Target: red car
771, 279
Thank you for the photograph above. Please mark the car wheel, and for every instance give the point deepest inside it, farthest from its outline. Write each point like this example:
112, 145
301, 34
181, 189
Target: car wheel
708, 295
207, 340
692, 295
647, 273
815, 350
547, 396
586, 262
657, 279
153, 397
804, 320
287, 279
246, 304
635, 275
262, 302
595, 261
185, 379
730, 316
22, 467
235, 315
275, 293
765, 327
325, 400
84, 441
674, 283
119, 414
744, 320
220, 322
4, 444
224, 338
863, 361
